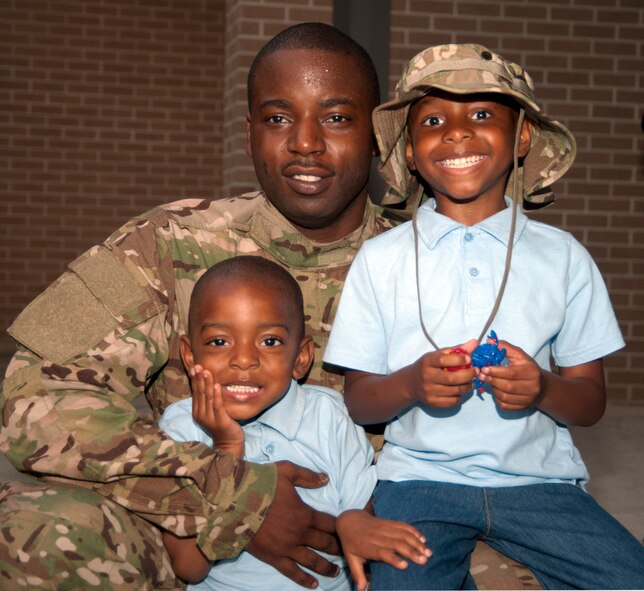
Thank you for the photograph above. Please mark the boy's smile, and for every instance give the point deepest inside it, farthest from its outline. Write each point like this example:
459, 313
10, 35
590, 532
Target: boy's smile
462, 146
247, 336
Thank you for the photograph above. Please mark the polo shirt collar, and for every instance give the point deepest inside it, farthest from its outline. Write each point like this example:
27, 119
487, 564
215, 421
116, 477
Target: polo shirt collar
285, 416
433, 226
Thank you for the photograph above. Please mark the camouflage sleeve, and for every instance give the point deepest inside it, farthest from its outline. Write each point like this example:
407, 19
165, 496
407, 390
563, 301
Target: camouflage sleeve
90, 344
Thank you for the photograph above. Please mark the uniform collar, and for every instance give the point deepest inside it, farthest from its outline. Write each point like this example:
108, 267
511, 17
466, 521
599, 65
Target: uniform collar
285, 416
275, 234
433, 226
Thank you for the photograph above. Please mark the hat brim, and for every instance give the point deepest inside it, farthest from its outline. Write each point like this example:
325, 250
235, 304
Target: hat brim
551, 154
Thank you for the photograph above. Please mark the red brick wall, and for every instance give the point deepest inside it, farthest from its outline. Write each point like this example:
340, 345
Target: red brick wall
586, 58
110, 107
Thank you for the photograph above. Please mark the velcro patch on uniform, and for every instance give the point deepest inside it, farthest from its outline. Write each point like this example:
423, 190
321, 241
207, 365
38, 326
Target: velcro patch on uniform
79, 310
109, 281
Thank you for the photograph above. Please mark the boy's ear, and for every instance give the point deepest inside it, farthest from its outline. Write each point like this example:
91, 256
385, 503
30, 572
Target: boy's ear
304, 358
525, 139
186, 352
409, 154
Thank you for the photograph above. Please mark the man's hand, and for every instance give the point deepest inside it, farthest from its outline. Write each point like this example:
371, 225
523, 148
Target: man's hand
291, 528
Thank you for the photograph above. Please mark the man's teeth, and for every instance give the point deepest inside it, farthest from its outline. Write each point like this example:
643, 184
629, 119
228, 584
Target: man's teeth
307, 178
461, 162
242, 389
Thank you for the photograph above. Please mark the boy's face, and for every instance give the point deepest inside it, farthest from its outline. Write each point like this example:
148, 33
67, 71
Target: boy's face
462, 145
245, 335
309, 133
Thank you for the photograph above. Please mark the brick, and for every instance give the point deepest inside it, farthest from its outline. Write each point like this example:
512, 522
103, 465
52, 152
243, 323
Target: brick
484, 10
594, 31
615, 47
431, 7
569, 45
443, 23
547, 28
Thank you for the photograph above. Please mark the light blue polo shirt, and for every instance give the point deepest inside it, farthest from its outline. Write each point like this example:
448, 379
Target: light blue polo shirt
309, 426
555, 303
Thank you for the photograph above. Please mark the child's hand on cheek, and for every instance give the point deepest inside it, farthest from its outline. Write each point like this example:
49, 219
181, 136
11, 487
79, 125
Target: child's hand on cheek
209, 412
518, 385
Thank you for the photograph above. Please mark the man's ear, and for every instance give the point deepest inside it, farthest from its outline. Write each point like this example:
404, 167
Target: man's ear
304, 359
249, 150
375, 150
525, 138
409, 154
186, 352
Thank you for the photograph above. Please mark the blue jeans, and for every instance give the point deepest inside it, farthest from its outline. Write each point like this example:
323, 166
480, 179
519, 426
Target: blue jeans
557, 530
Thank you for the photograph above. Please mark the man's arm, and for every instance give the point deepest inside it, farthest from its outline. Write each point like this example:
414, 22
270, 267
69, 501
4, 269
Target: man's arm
102, 333
59, 428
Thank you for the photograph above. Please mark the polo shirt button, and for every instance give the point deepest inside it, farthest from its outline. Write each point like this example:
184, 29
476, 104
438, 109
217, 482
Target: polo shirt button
474, 271
270, 448
469, 237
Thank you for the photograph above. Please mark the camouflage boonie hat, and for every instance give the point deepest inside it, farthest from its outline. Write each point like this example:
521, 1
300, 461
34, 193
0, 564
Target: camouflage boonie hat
467, 69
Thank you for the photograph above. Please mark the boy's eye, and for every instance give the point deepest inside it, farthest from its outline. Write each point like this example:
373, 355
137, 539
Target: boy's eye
217, 342
480, 115
433, 120
276, 119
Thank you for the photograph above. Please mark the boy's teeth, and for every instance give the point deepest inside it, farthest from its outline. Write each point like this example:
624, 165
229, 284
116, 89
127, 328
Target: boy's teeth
461, 162
243, 389
307, 178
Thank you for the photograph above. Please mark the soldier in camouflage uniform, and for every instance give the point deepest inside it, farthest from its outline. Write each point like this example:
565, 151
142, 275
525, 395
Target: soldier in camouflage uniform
464, 127
108, 330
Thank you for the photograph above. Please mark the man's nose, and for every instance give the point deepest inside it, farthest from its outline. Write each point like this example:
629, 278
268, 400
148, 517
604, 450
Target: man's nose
307, 137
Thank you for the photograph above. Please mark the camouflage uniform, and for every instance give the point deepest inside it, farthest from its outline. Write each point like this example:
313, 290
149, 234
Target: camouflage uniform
105, 332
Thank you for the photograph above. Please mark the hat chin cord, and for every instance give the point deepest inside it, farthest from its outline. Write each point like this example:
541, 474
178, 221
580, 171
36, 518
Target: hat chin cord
508, 256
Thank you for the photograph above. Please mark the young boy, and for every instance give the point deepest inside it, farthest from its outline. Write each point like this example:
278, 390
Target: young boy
245, 350
496, 464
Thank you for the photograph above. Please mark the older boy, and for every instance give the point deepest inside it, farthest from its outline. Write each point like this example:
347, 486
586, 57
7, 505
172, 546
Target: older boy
464, 126
245, 351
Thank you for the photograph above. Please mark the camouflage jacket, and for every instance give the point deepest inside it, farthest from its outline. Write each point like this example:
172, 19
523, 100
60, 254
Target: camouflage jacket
108, 331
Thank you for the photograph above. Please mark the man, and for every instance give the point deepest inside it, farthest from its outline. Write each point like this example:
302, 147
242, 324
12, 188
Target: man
108, 330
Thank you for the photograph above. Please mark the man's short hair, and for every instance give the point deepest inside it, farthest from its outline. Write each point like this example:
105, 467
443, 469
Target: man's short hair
317, 36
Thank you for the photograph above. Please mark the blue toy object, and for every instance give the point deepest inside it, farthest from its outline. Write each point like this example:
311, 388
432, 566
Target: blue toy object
487, 354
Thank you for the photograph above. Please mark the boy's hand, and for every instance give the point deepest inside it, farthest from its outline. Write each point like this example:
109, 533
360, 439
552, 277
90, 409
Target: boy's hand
208, 411
440, 381
518, 385
365, 537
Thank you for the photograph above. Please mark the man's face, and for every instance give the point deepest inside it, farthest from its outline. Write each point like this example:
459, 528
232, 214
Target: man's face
310, 136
